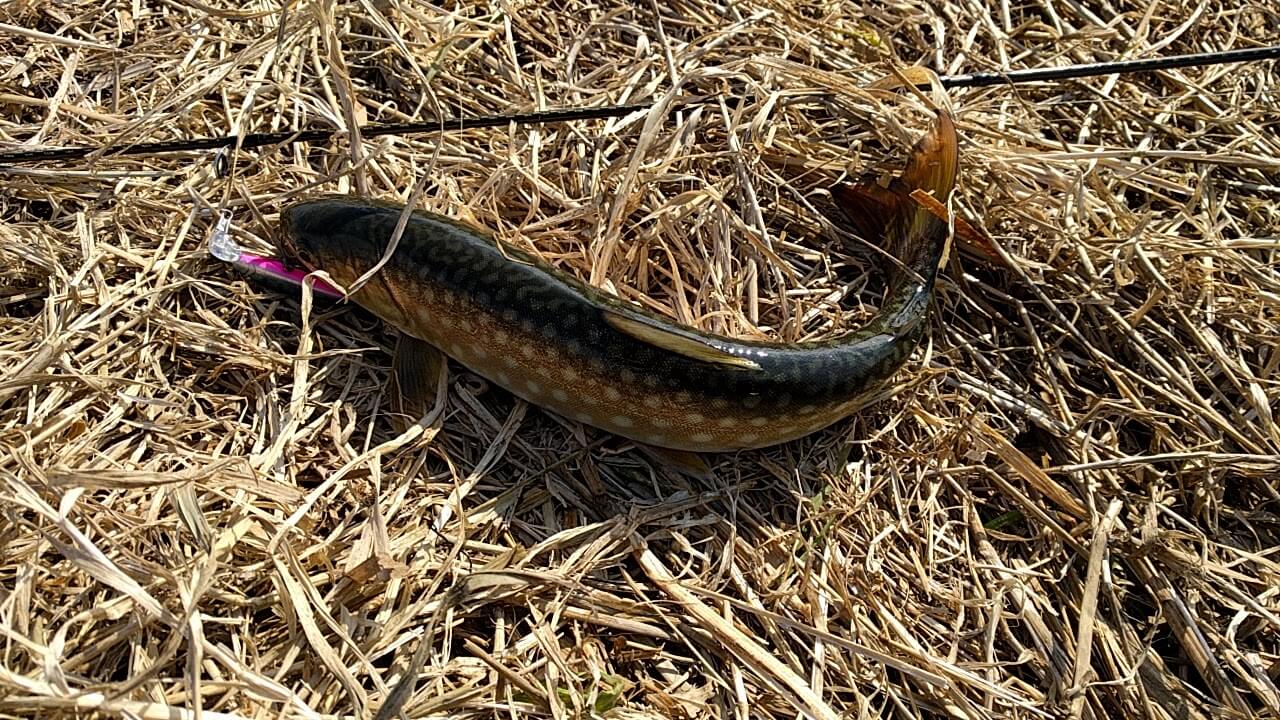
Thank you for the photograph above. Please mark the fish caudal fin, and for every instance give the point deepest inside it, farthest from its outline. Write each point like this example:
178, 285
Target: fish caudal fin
907, 212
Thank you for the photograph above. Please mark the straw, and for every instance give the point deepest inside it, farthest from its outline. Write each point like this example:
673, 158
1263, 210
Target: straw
1065, 506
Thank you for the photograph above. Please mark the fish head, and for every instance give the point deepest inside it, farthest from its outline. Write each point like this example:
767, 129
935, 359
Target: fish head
328, 234
339, 236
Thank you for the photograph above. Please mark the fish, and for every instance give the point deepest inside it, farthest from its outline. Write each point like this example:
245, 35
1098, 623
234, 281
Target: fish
589, 356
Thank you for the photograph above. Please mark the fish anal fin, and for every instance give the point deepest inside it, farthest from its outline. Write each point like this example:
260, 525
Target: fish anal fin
652, 333
415, 376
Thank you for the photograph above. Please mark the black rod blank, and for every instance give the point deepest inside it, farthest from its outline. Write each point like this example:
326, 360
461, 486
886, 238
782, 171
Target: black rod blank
980, 79
253, 140
1069, 72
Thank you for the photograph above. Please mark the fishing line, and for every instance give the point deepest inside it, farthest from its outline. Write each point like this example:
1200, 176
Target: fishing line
289, 137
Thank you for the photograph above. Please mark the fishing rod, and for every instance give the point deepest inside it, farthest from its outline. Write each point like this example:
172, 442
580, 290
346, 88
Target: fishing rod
1071, 72
289, 137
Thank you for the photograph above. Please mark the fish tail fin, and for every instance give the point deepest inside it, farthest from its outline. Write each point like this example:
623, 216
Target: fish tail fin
931, 170
910, 214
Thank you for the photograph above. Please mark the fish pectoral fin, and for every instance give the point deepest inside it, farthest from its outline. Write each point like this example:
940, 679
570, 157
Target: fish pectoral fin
415, 374
690, 346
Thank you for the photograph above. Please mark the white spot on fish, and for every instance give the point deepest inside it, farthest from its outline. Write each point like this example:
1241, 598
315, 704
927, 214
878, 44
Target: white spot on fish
623, 421
652, 401
701, 437
480, 353
560, 395
613, 394
584, 418
748, 438
503, 378
534, 387
527, 350
695, 418
656, 438
569, 374
510, 361
726, 422
759, 421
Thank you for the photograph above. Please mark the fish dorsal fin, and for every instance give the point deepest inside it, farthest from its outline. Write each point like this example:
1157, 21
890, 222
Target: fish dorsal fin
686, 344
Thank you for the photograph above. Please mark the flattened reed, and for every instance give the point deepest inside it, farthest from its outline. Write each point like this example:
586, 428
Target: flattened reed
1066, 507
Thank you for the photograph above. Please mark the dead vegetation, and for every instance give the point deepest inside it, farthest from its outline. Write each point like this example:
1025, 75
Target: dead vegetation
1070, 508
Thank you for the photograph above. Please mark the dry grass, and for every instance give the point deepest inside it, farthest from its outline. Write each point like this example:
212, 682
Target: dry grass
1071, 508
